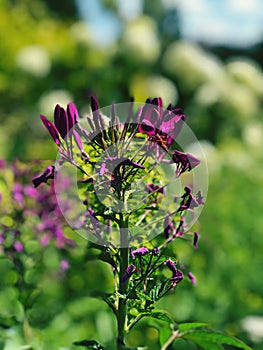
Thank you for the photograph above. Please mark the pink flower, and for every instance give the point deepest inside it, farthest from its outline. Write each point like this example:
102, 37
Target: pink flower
18, 246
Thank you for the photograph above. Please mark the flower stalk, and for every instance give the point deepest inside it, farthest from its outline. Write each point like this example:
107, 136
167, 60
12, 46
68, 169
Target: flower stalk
123, 284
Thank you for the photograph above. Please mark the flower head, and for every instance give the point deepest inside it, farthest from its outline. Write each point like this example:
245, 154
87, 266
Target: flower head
129, 271
191, 278
184, 162
156, 120
189, 201
63, 129
171, 265
139, 252
177, 274
49, 173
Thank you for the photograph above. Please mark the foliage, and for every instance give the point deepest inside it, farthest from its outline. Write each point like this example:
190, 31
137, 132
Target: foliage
223, 100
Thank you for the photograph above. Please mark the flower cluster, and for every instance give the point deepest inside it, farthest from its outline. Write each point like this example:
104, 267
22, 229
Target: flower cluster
123, 195
45, 221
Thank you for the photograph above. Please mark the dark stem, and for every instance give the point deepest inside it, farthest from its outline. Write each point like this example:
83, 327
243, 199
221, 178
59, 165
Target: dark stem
123, 285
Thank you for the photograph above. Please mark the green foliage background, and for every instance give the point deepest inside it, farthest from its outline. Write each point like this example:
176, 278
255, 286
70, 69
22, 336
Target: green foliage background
223, 103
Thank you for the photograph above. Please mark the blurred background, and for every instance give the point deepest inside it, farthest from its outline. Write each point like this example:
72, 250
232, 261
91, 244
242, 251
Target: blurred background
205, 57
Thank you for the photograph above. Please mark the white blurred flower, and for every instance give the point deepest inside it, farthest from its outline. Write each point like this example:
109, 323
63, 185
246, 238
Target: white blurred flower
253, 325
242, 100
247, 72
141, 40
48, 101
238, 100
129, 10
152, 86
253, 134
208, 94
80, 32
34, 60
191, 64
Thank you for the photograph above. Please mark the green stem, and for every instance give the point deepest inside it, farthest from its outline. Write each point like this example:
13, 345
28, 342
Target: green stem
174, 336
123, 286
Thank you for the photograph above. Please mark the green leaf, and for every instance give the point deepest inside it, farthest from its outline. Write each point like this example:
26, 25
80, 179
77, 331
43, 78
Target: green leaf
107, 297
162, 315
134, 231
215, 338
105, 254
183, 327
89, 344
164, 334
209, 346
144, 296
106, 257
157, 291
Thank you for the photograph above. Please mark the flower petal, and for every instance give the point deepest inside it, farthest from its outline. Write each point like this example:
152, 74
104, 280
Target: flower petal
51, 129
61, 121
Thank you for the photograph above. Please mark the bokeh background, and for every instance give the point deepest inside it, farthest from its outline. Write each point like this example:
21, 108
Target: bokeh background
204, 56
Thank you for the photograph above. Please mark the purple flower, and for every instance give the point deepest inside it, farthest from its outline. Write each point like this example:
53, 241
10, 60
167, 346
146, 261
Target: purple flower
46, 175
129, 271
44, 240
139, 252
30, 191
189, 201
171, 265
178, 276
199, 198
161, 126
184, 162
53, 131
155, 251
154, 188
64, 265
195, 240
64, 121
191, 278
97, 117
169, 228
2, 238
2, 164
18, 193
18, 246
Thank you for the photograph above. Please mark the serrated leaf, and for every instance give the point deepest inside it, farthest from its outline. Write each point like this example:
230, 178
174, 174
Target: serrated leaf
217, 338
183, 327
89, 344
157, 291
144, 297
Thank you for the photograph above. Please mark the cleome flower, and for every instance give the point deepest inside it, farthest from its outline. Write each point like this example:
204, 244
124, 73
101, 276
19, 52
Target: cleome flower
45, 176
139, 252
129, 271
161, 125
177, 274
184, 162
62, 129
